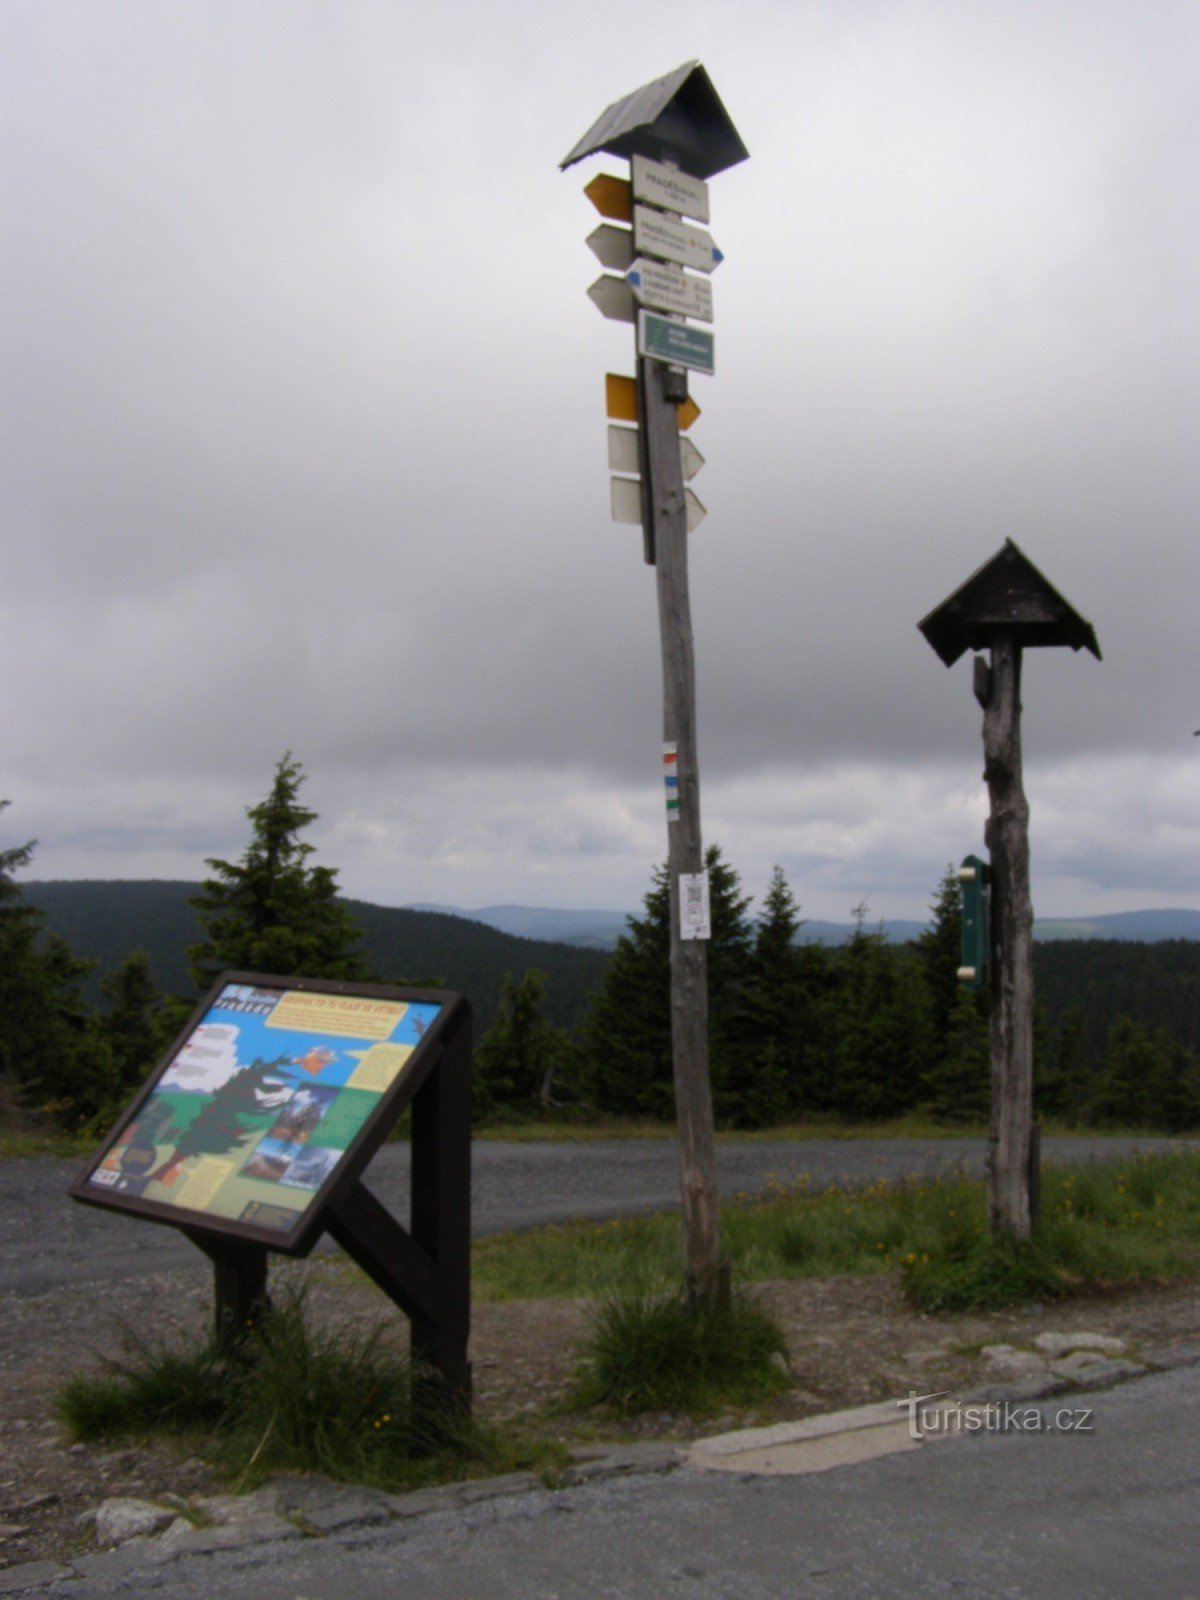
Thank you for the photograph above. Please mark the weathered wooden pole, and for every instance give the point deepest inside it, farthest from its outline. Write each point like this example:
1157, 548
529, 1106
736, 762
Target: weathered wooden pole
676, 134
1010, 1022
707, 1276
1005, 607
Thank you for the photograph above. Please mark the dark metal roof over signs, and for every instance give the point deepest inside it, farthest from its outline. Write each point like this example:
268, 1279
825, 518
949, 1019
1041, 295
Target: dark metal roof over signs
678, 118
1007, 594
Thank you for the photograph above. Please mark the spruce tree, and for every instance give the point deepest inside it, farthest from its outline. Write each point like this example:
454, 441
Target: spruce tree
47, 1057
957, 1086
627, 1031
272, 912
522, 1056
939, 950
765, 1083
884, 1032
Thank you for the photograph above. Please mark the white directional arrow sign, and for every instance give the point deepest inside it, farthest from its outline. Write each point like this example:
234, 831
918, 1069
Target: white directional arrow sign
627, 503
623, 449
655, 283
615, 298
657, 235
612, 247
669, 188
690, 458
623, 453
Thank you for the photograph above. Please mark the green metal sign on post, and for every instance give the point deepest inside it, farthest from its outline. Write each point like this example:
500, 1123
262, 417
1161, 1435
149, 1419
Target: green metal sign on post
976, 922
677, 343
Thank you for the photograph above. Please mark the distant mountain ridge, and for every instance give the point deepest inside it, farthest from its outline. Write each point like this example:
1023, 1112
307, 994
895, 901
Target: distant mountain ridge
103, 920
1091, 968
599, 930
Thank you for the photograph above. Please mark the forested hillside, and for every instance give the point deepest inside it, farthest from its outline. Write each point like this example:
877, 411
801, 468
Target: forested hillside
868, 1029
1099, 980
104, 921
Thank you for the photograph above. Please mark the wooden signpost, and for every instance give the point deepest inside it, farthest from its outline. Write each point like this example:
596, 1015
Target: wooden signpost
676, 134
1006, 607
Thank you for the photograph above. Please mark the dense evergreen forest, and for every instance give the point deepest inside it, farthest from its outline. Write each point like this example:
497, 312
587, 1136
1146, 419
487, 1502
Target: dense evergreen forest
103, 921
96, 977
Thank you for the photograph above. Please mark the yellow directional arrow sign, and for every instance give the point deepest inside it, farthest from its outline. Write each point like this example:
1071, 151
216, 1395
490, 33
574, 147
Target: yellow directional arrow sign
620, 399
612, 197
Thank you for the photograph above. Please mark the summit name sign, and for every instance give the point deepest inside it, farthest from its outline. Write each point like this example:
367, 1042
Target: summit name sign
676, 343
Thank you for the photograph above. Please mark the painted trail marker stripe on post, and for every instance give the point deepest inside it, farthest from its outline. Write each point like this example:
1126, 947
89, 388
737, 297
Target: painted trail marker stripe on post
671, 780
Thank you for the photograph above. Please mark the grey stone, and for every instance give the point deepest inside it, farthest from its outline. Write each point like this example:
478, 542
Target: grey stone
418, 1503
1061, 1344
1006, 1362
120, 1519
139, 1555
1103, 1374
222, 1508
183, 1539
1182, 1353
346, 1511
32, 1575
470, 1493
649, 1457
1033, 1388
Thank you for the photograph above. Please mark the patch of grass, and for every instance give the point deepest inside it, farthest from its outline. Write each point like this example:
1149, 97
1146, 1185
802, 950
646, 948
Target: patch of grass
24, 1143
1113, 1221
655, 1352
984, 1274
339, 1402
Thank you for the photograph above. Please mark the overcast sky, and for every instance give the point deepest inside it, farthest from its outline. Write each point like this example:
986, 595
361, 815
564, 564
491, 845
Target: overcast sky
304, 441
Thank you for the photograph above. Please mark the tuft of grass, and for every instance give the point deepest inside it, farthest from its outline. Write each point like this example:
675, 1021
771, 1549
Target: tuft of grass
340, 1402
982, 1275
656, 1352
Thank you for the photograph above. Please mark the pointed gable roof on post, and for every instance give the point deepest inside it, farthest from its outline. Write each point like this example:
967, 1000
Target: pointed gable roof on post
1007, 594
678, 118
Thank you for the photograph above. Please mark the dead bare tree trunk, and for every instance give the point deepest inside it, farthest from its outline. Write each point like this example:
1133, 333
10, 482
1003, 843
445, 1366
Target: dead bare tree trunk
1010, 1208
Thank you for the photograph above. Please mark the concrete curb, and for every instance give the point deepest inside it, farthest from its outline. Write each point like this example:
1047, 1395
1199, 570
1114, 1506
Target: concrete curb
295, 1508
288, 1509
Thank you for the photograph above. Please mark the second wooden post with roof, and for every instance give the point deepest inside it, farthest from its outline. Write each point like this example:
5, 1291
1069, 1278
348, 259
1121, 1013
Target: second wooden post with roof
1005, 607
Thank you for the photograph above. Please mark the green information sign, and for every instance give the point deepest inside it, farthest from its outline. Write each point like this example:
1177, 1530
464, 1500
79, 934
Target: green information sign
677, 343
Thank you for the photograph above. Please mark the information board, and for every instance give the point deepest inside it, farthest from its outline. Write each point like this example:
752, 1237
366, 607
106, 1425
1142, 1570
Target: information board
276, 1091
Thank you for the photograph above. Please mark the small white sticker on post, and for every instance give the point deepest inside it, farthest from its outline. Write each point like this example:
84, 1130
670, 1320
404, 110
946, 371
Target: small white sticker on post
694, 919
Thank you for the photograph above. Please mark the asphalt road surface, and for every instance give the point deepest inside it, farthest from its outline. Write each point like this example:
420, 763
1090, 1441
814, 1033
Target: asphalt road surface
1111, 1512
48, 1241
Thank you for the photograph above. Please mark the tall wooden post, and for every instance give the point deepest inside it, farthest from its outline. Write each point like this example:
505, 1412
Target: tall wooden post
1005, 607
1010, 1024
707, 1280
676, 134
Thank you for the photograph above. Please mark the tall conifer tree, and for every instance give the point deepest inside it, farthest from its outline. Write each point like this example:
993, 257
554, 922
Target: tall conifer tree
272, 912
